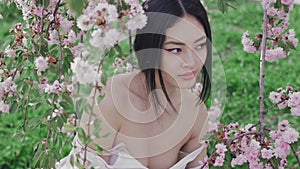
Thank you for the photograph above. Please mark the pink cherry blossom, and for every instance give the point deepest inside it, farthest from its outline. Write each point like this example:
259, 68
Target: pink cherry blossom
267, 154
71, 37
4, 107
214, 112
138, 22
112, 37
282, 105
248, 43
221, 149
275, 97
84, 22
97, 39
290, 135
283, 125
283, 163
10, 52
109, 12
84, 72
239, 160
290, 36
273, 54
276, 31
37, 11
294, 99
295, 110
76, 50
287, 2
202, 163
41, 63
219, 161
53, 37
65, 24
272, 11
282, 149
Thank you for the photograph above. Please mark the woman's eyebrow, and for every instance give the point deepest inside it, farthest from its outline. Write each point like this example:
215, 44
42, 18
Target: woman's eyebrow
181, 43
202, 37
174, 42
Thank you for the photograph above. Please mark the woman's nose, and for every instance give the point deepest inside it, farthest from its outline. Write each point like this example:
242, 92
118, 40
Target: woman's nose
190, 58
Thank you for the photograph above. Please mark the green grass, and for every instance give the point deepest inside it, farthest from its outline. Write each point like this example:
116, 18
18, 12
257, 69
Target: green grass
242, 69
241, 72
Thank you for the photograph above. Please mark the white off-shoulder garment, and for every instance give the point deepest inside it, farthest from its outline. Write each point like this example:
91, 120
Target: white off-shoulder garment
121, 159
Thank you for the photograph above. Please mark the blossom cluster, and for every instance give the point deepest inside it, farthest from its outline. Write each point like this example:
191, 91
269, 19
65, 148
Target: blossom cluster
279, 39
7, 89
122, 66
287, 98
101, 19
56, 87
245, 145
85, 73
214, 112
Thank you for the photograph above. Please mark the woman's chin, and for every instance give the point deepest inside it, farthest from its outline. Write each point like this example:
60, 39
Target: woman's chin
187, 84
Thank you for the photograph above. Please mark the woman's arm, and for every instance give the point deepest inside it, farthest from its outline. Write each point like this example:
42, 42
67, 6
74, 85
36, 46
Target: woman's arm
198, 130
110, 118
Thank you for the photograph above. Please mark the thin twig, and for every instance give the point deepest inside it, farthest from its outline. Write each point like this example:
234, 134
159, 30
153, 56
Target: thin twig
93, 103
25, 112
297, 156
274, 105
41, 30
210, 157
244, 134
262, 77
254, 125
130, 48
60, 56
54, 16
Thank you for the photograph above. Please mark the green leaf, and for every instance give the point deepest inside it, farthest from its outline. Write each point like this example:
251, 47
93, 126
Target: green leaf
66, 97
79, 165
118, 48
65, 105
69, 127
51, 161
57, 155
76, 6
97, 127
278, 4
98, 148
13, 107
35, 122
222, 5
111, 53
82, 136
291, 45
37, 156
106, 135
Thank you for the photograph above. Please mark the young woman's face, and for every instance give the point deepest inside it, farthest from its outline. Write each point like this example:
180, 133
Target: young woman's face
184, 52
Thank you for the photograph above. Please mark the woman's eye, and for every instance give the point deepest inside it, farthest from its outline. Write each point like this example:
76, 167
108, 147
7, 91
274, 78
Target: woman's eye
174, 51
200, 46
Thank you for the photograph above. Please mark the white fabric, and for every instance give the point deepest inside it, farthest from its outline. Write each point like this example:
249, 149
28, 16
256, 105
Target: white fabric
123, 159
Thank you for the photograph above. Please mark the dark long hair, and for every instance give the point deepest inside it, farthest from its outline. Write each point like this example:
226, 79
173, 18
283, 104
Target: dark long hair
163, 14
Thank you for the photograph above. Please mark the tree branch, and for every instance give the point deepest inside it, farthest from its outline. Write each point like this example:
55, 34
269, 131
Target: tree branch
262, 76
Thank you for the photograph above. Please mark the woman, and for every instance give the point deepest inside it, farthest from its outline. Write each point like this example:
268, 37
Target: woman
153, 119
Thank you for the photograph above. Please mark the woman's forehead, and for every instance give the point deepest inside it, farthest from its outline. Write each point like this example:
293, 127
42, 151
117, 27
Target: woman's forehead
187, 29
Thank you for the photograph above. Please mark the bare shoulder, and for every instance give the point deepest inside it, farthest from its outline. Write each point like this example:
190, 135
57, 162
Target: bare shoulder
201, 122
107, 108
109, 116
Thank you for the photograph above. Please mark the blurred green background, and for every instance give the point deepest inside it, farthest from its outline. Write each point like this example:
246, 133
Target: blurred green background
241, 71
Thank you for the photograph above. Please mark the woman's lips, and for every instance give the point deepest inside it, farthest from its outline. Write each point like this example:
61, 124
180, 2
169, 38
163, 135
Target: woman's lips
188, 75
